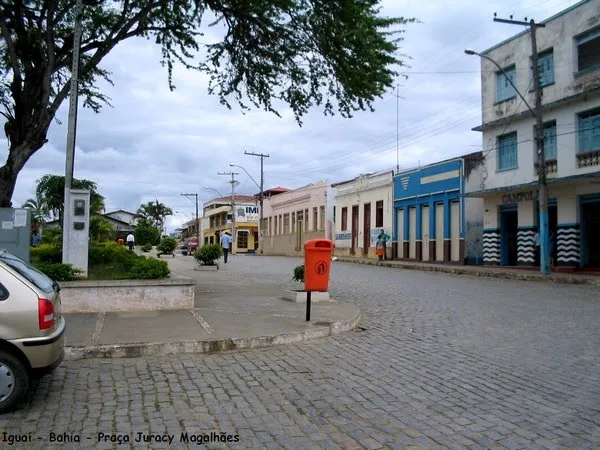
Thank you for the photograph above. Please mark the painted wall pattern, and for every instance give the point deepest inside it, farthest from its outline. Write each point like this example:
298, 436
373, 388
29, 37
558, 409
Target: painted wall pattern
491, 246
567, 245
526, 247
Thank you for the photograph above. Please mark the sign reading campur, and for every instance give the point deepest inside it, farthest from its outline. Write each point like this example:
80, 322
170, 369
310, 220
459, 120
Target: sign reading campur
245, 213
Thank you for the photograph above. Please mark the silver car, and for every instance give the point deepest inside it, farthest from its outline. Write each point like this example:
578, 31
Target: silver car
31, 328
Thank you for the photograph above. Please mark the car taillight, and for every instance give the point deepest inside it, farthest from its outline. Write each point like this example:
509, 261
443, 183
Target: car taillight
45, 313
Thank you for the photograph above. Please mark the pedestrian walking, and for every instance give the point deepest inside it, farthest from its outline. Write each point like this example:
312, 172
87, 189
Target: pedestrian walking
380, 245
130, 241
225, 243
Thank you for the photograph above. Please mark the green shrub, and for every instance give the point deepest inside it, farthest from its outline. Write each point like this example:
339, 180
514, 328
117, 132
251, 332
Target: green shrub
167, 245
298, 273
149, 268
146, 234
52, 236
146, 248
47, 253
59, 272
111, 253
208, 254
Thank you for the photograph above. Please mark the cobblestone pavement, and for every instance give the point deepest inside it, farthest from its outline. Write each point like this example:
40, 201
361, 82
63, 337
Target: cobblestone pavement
441, 361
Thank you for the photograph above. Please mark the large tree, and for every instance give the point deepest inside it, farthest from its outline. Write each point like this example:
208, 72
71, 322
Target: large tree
52, 189
339, 54
155, 212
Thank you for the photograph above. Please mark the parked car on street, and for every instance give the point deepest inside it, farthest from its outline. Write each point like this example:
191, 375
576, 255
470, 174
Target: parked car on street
31, 328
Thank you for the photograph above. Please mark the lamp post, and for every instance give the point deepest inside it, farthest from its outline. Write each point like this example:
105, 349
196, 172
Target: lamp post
537, 114
222, 196
260, 186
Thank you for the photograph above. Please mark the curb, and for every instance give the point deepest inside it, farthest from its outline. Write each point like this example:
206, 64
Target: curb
460, 270
74, 353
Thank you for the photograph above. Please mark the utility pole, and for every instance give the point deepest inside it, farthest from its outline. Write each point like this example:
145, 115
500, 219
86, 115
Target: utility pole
539, 139
197, 219
233, 184
261, 225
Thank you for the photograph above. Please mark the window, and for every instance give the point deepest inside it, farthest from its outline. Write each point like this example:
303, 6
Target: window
589, 131
293, 222
550, 140
314, 221
275, 226
545, 68
588, 50
242, 239
379, 214
3, 293
344, 218
300, 218
26, 270
286, 223
321, 217
504, 89
306, 220
507, 151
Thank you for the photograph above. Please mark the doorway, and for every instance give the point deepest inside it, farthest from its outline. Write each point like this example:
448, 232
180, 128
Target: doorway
354, 229
367, 229
509, 222
590, 238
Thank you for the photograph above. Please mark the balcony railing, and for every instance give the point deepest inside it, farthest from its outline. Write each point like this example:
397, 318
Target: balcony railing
588, 159
551, 167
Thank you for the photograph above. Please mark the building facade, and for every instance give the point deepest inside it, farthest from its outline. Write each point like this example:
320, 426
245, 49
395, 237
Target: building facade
568, 49
218, 218
295, 216
433, 220
363, 206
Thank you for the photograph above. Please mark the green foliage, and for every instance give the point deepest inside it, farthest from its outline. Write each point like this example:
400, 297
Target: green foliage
101, 229
111, 253
146, 248
167, 245
149, 268
292, 53
146, 234
46, 253
52, 189
208, 254
298, 273
52, 236
59, 272
154, 212
39, 210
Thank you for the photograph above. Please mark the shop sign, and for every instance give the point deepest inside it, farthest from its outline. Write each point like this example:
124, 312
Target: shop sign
343, 236
518, 197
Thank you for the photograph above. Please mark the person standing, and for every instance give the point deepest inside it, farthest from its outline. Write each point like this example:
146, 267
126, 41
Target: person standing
225, 243
130, 241
381, 244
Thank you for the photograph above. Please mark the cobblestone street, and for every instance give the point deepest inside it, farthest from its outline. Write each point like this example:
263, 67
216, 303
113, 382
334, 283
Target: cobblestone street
440, 361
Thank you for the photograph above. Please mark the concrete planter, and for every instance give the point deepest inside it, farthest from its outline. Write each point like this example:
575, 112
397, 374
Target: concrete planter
127, 295
299, 296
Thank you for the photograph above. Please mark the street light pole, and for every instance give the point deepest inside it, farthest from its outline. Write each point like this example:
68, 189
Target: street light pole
261, 226
233, 182
71, 131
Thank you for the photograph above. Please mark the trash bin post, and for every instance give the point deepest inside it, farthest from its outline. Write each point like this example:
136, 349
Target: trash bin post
308, 306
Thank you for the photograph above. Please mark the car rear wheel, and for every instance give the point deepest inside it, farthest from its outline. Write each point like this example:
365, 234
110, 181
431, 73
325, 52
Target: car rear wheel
14, 381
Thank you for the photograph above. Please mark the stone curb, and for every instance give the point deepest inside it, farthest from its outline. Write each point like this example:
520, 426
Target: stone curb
74, 353
490, 273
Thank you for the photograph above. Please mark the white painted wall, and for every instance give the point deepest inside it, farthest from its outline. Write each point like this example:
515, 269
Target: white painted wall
362, 190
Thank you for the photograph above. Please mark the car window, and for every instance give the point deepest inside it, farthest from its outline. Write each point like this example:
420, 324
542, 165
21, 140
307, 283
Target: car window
3, 292
32, 274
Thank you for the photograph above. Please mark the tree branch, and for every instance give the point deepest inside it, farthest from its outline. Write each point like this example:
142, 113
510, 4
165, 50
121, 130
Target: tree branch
10, 44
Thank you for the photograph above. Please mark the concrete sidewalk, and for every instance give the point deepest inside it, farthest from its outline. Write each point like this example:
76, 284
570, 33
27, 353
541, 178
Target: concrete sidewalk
482, 271
229, 314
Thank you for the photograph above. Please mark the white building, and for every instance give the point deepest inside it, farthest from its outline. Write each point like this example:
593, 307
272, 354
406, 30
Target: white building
363, 206
569, 62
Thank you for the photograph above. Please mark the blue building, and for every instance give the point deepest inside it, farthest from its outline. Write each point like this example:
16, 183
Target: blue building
433, 220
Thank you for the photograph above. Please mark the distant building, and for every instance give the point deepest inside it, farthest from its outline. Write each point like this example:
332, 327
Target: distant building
363, 206
292, 217
219, 217
569, 71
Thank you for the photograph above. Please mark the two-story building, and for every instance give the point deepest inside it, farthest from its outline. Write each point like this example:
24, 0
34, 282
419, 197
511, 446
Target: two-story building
363, 206
292, 217
218, 216
433, 221
568, 48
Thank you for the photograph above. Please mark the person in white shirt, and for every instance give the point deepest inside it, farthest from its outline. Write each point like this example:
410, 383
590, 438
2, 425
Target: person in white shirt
225, 243
130, 241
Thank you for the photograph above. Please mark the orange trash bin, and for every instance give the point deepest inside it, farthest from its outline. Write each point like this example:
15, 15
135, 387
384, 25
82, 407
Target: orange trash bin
317, 261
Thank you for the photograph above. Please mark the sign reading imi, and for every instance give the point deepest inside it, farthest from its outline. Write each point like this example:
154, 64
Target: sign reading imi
518, 197
247, 213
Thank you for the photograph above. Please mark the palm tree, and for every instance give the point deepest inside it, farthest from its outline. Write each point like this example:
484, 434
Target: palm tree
155, 212
39, 211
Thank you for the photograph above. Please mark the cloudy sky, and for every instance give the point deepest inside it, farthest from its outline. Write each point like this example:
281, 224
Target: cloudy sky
157, 144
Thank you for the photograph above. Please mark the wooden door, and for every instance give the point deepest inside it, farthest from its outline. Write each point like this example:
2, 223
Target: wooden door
367, 229
400, 228
354, 229
454, 232
439, 232
412, 232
